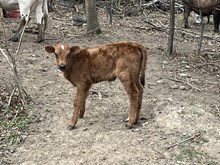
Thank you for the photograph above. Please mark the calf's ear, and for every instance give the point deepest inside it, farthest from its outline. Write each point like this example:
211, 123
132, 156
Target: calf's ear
50, 49
75, 49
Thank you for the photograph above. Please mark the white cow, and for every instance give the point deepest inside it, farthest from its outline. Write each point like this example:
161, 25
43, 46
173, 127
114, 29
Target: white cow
39, 7
27, 7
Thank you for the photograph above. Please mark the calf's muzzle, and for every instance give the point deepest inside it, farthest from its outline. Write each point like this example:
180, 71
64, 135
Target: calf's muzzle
62, 67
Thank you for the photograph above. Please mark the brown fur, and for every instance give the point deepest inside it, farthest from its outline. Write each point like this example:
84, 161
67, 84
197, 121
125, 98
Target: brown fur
189, 7
84, 67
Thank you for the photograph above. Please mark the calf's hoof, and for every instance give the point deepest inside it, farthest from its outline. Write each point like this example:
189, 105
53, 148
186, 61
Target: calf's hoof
81, 115
129, 125
70, 127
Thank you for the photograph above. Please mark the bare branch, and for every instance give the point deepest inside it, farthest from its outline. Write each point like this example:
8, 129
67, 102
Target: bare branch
194, 136
150, 3
12, 62
180, 81
6, 58
9, 100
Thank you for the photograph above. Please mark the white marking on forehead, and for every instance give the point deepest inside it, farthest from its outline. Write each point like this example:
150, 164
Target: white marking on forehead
62, 47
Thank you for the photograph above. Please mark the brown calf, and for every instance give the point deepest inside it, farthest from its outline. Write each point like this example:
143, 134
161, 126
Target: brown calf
84, 67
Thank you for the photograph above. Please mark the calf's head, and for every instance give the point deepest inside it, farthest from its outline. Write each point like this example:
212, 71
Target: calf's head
63, 53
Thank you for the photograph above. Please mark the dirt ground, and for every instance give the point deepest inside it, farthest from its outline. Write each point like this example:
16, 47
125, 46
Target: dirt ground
180, 116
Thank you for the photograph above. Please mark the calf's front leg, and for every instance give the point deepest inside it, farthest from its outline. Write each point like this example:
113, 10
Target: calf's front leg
79, 104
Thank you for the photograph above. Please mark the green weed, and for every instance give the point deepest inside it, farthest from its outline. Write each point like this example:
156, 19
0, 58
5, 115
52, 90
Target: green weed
189, 155
215, 110
14, 120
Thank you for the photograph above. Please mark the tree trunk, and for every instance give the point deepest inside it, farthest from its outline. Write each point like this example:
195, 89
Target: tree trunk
171, 28
92, 19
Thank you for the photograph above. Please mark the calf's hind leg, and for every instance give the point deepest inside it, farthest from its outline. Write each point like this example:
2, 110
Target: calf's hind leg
141, 91
134, 96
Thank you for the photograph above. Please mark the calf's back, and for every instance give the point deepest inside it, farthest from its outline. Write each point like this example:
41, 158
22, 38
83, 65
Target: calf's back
101, 63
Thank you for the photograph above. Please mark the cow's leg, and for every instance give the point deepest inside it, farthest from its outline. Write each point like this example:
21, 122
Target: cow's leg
45, 24
4, 13
50, 4
40, 34
45, 17
134, 94
16, 37
216, 16
208, 21
40, 18
187, 11
41, 29
79, 104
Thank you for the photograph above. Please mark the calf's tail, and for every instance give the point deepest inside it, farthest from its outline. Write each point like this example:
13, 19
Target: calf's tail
143, 65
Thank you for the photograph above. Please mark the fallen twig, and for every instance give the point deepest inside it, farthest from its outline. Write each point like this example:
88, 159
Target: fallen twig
209, 63
12, 61
150, 3
9, 100
180, 81
62, 19
58, 11
9, 62
192, 86
197, 35
93, 31
194, 136
159, 25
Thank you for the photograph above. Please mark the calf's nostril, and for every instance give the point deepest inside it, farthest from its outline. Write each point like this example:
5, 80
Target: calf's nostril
62, 67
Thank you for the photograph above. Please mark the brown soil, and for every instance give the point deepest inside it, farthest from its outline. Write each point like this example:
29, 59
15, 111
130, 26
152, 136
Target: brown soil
180, 116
